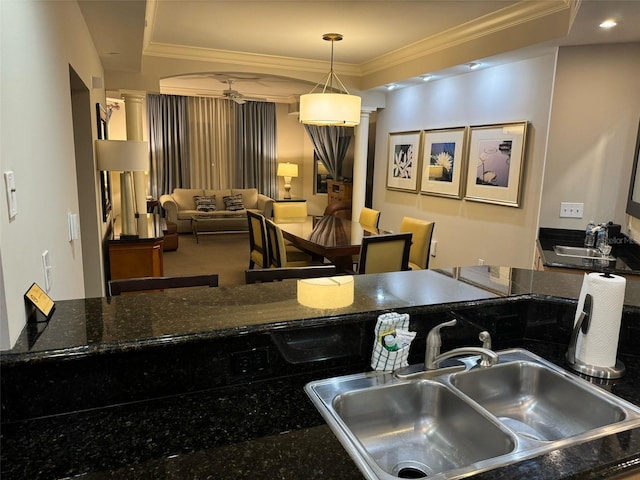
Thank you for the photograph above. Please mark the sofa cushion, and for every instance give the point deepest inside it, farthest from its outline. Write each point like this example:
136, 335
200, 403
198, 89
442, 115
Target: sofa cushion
184, 197
249, 196
205, 203
233, 202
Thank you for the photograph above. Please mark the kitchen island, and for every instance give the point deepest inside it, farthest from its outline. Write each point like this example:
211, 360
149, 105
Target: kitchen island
208, 383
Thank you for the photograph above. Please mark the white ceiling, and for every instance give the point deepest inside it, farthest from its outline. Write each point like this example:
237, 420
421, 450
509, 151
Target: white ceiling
375, 32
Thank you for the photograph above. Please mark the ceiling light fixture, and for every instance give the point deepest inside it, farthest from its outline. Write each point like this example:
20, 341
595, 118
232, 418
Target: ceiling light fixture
391, 86
473, 65
426, 78
609, 23
328, 108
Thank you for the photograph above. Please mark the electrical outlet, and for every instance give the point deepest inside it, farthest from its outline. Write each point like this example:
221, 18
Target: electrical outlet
434, 248
571, 210
480, 261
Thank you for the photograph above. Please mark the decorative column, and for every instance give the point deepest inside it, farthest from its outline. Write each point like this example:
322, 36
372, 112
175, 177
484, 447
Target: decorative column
360, 165
134, 103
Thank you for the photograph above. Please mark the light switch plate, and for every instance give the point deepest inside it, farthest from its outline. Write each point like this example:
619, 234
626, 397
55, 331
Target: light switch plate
12, 200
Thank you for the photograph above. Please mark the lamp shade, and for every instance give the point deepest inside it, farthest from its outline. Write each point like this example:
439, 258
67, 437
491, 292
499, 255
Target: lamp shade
122, 155
287, 170
330, 109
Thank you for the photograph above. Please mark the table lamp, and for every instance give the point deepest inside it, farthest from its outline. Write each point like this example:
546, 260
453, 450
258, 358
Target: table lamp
124, 156
287, 170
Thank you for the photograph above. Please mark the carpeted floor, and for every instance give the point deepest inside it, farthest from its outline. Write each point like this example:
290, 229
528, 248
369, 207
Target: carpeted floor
226, 254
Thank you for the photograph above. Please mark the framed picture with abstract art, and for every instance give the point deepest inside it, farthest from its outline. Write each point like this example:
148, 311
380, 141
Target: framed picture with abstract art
495, 163
442, 162
403, 160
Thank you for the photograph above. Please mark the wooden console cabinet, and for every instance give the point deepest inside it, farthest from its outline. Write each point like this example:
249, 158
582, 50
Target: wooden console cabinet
134, 257
338, 192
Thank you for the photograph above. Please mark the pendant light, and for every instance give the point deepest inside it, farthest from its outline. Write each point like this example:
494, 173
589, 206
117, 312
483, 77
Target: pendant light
328, 108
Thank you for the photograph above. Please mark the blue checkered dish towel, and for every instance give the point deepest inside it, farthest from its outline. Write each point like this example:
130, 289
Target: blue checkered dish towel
392, 342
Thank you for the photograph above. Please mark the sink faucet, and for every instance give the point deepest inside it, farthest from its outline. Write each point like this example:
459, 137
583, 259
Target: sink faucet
433, 357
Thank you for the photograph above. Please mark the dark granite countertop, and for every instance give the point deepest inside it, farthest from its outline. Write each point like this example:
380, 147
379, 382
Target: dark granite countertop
625, 251
263, 426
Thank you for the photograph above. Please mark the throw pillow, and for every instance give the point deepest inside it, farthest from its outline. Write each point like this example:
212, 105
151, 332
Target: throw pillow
233, 202
205, 203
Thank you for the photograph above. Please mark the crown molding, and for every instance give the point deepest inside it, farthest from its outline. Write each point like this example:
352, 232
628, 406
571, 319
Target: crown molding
509, 17
248, 59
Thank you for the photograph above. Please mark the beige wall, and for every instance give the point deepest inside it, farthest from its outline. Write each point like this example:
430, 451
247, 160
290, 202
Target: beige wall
594, 123
39, 40
468, 231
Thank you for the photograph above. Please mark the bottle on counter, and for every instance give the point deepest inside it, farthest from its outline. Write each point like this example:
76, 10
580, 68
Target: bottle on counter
602, 239
590, 235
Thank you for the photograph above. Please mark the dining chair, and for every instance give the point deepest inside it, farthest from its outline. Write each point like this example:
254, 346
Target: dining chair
277, 274
385, 253
289, 212
116, 287
258, 245
369, 218
422, 231
282, 255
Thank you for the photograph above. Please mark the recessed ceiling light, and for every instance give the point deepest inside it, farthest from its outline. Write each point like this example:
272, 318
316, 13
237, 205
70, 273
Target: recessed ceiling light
391, 86
426, 78
610, 23
473, 65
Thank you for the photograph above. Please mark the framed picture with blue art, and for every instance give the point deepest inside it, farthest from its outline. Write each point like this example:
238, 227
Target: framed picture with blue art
495, 163
403, 161
442, 162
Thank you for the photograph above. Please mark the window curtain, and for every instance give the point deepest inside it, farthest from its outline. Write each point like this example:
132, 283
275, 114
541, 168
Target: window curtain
257, 148
330, 144
212, 142
168, 132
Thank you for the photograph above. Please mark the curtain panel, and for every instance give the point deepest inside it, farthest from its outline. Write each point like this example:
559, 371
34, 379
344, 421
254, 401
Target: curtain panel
212, 142
257, 148
168, 133
330, 144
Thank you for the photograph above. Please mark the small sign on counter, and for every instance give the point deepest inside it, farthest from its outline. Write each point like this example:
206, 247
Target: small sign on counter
40, 300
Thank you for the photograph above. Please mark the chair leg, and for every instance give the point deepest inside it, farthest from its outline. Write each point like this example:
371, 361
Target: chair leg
251, 264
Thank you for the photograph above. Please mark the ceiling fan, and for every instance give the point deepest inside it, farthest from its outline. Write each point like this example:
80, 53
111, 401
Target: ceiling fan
232, 94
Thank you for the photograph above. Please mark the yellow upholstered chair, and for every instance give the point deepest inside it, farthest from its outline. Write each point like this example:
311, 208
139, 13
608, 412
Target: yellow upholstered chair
289, 212
282, 255
369, 218
258, 246
422, 231
385, 253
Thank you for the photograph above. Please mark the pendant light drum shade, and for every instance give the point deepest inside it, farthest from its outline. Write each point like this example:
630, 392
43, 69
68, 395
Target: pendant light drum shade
330, 109
327, 108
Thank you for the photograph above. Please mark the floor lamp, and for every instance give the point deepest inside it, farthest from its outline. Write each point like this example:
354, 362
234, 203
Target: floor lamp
287, 170
124, 156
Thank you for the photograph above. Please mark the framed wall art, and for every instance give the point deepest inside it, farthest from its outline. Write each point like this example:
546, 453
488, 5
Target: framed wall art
495, 163
403, 160
443, 162
102, 120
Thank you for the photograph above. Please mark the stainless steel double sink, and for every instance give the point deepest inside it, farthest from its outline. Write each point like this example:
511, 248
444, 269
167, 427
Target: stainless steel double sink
453, 422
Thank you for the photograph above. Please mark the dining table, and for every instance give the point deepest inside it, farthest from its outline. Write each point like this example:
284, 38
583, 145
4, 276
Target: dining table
334, 238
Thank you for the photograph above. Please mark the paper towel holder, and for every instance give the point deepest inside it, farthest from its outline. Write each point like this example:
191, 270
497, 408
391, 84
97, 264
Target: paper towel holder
582, 325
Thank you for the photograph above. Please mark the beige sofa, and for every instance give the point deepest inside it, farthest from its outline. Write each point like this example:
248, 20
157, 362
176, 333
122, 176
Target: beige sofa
180, 206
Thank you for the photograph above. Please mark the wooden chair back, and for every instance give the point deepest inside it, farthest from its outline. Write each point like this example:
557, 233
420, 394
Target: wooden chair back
385, 253
277, 274
290, 212
422, 231
369, 217
258, 245
116, 287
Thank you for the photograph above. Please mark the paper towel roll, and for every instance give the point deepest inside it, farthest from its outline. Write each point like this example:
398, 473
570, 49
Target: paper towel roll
599, 345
